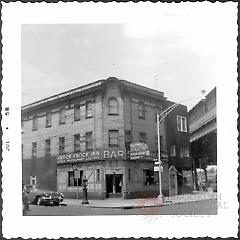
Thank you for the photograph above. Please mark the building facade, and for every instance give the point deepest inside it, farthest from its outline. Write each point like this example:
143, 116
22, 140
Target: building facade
89, 133
203, 133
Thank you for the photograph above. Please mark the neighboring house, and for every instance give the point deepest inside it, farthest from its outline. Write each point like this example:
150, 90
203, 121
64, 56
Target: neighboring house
87, 132
203, 133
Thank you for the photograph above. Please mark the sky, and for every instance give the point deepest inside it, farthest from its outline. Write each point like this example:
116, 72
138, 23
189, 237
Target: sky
175, 54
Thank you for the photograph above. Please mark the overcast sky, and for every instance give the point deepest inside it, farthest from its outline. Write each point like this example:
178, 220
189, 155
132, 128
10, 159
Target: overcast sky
175, 54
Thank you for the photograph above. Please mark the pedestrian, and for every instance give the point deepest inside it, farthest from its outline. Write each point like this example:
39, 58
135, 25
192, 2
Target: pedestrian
25, 200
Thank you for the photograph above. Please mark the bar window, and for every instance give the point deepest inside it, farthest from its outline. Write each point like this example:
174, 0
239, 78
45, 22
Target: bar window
112, 106
89, 141
89, 109
34, 149
181, 124
75, 178
61, 145
184, 151
62, 117
47, 147
76, 112
113, 138
77, 143
48, 119
35, 123
141, 110
142, 137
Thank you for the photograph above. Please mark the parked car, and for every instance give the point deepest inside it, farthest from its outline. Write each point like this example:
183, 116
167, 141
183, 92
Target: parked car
44, 197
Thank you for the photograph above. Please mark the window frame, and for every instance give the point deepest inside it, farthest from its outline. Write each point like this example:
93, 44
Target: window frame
116, 107
77, 146
89, 141
77, 112
87, 109
141, 112
182, 124
35, 123
62, 116
75, 181
110, 138
48, 119
61, 146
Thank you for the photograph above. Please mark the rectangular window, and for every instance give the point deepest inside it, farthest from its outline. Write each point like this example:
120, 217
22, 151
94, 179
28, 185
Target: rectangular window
181, 124
34, 149
113, 138
89, 109
47, 147
35, 123
89, 141
75, 178
141, 110
173, 151
184, 151
98, 175
61, 145
76, 112
142, 137
77, 143
48, 119
62, 117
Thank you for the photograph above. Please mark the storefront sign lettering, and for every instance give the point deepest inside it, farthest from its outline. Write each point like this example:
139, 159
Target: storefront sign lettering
139, 150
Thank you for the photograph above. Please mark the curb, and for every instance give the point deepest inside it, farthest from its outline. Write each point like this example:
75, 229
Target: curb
157, 205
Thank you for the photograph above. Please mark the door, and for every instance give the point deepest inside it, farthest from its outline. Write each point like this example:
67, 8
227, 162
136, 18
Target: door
114, 185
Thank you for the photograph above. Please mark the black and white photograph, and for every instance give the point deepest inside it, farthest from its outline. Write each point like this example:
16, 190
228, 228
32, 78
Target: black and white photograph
128, 119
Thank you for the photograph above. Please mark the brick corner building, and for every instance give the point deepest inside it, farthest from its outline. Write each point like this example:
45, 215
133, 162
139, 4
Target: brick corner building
87, 133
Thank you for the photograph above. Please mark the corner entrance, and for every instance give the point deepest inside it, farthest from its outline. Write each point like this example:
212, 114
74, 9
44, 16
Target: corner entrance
114, 185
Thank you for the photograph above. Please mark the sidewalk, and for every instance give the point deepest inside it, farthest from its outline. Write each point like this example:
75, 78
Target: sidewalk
142, 202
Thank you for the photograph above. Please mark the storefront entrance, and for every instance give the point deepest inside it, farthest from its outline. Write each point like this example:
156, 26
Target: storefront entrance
114, 185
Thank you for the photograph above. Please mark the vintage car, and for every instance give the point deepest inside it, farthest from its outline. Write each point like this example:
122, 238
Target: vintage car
43, 197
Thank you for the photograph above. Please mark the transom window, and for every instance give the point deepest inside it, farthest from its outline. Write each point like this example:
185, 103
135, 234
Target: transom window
112, 106
113, 138
181, 124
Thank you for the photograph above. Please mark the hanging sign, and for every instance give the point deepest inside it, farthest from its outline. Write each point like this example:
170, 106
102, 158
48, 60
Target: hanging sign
139, 150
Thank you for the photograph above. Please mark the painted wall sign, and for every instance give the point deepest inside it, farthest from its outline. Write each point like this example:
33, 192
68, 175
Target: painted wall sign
110, 153
139, 150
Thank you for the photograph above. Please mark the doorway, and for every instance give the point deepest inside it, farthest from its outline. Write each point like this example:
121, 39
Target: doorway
114, 185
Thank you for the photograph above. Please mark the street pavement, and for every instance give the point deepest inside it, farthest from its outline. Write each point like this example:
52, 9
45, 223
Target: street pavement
201, 203
203, 207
